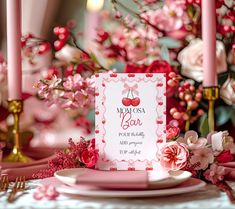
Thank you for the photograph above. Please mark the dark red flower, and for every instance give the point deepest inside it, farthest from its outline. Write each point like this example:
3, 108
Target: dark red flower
89, 157
130, 68
102, 36
225, 157
159, 66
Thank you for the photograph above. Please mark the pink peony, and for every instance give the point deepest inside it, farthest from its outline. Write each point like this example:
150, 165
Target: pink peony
202, 157
215, 173
174, 156
172, 132
192, 141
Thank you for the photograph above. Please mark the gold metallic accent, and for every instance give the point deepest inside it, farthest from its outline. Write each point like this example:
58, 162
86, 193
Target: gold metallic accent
211, 94
16, 107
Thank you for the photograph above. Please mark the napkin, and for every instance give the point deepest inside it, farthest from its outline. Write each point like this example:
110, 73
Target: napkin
230, 169
24, 169
113, 179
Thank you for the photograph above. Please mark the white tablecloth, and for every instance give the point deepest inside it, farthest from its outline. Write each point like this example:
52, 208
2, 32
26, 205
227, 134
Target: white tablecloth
208, 197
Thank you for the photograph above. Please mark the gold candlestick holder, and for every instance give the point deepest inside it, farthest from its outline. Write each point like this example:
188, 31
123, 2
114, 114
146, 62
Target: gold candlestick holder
15, 107
211, 94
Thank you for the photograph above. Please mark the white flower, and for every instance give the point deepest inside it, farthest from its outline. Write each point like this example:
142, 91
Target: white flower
222, 141
68, 54
191, 58
227, 91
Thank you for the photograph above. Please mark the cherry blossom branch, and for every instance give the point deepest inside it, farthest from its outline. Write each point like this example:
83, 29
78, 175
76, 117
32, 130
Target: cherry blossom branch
100, 67
115, 2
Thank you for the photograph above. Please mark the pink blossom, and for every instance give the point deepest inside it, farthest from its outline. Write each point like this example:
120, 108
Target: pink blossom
192, 141
178, 34
202, 157
215, 173
73, 82
149, 1
47, 192
170, 18
174, 156
73, 92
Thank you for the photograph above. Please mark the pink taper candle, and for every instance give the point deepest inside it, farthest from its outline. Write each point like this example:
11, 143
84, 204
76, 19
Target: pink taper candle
209, 43
14, 49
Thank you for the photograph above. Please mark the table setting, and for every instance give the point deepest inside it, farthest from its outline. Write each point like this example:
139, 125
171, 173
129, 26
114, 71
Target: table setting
144, 119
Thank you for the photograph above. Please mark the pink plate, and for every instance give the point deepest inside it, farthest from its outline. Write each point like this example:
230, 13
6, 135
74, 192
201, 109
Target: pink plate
190, 185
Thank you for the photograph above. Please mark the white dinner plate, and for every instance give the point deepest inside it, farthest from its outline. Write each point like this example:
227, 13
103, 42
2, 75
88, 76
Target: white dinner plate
156, 179
190, 185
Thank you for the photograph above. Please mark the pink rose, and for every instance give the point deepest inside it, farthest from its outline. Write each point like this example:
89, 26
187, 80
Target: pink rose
172, 132
174, 156
89, 157
192, 65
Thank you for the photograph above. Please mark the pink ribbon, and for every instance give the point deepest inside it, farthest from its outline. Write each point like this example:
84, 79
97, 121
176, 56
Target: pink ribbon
128, 88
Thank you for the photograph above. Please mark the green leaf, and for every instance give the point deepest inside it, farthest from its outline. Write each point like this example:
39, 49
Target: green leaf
174, 63
223, 115
94, 58
204, 126
165, 54
169, 42
190, 11
91, 115
233, 117
119, 66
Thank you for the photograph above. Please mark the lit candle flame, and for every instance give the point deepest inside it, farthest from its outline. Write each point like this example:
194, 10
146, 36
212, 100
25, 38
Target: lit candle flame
95, 5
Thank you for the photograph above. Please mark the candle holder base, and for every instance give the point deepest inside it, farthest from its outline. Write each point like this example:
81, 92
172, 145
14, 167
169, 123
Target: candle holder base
211, 94
17, 156
15, 107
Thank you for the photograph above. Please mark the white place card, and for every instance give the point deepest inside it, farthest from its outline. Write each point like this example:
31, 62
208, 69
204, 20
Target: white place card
130, 120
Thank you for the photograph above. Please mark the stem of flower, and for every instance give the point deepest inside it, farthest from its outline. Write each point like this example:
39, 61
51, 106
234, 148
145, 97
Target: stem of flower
187, 123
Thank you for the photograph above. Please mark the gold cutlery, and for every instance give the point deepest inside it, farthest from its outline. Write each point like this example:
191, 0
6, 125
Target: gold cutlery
19, 186
4, 183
